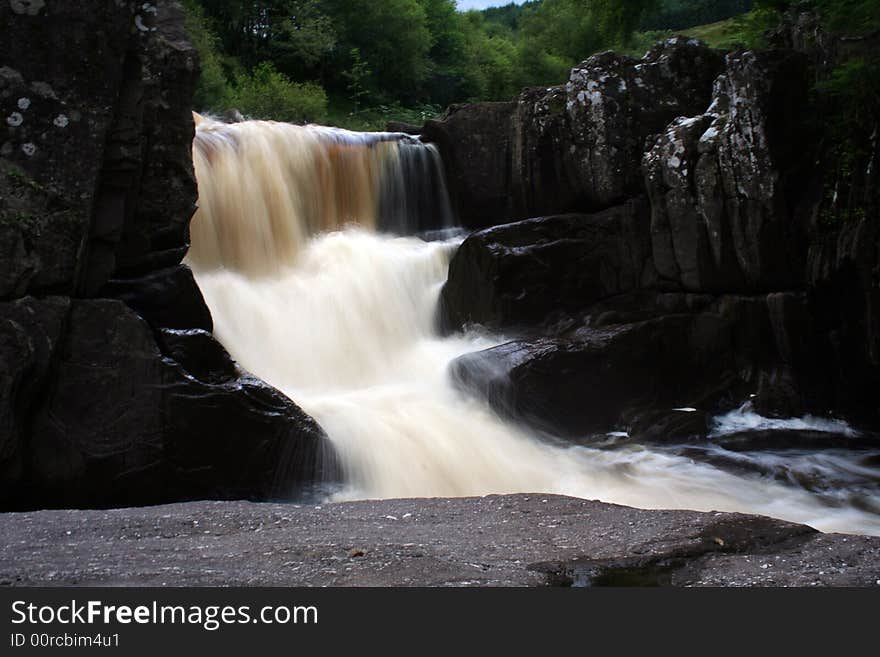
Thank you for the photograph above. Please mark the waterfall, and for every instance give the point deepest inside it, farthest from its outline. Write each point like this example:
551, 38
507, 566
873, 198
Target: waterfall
302, 247
266, 187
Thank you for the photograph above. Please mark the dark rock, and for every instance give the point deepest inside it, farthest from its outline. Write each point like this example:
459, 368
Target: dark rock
843, 269
405, 128
518, 274
671, 426
615, 103
724, 185
95, 165
778, 396
592, 380
475, 142
96, 194
577, 387
780, 439
30, 331
40, 239
168, 298
643, 305
199, 354
124, 424
542, 179
570, 148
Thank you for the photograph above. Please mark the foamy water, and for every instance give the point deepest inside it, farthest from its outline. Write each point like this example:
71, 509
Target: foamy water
343, 323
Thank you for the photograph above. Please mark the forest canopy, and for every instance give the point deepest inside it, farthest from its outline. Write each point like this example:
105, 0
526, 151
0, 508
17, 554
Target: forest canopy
357, 63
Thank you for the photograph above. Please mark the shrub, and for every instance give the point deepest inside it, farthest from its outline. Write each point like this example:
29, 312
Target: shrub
268, 94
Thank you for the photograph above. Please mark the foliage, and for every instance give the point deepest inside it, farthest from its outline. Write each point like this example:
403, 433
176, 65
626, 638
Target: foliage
267, 93
373, 59
212, 91
749, 29
850, 16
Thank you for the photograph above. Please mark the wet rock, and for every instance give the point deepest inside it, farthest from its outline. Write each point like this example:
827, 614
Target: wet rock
405, 128
580, 386
168, 298
844, 300
595, 380
519, 274
781, 439
669, 426
778, 396
199, 354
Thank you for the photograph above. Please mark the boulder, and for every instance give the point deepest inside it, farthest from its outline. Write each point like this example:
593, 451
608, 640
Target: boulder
667, 425
594, 380
520, 274
125, 424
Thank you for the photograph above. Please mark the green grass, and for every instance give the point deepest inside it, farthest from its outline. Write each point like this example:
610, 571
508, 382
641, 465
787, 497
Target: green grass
723, 35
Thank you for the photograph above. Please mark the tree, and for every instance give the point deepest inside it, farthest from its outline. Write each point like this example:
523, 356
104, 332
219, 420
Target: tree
391, 36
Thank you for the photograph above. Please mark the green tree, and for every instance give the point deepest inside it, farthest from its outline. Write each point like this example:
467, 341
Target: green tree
357, 76
392, 36
212, 92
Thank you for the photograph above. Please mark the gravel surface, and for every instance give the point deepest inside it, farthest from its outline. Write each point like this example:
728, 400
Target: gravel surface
516, 540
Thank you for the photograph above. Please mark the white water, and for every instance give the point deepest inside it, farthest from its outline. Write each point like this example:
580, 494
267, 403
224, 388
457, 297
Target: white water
343, 323
745, 418
347, 333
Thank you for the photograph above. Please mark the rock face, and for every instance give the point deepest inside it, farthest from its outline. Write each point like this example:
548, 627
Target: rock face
518, 274
732, 289
475, 142
570, 148
615, 103
723, 221
97, 134
112, 390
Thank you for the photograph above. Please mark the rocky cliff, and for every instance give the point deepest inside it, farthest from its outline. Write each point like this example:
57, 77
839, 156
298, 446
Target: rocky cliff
660, 237
112, 389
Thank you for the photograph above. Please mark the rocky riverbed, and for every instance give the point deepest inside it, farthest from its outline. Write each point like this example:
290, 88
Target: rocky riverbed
515, 540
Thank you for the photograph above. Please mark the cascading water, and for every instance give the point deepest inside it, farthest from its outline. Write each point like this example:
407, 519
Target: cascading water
308, 295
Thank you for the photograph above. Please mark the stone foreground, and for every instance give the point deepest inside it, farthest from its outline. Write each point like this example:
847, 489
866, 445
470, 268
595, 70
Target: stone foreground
516, 540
